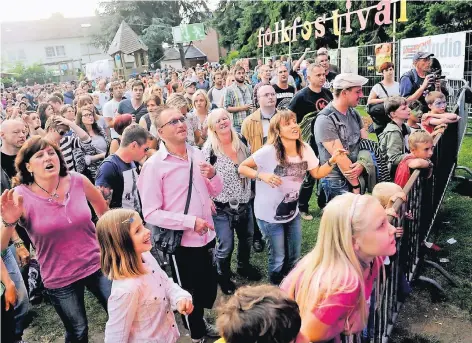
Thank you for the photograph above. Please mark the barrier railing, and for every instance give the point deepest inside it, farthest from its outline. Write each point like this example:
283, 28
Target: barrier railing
424, 198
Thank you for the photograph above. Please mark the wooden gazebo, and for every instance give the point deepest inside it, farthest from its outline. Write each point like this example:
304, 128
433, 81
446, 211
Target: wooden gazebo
127, 42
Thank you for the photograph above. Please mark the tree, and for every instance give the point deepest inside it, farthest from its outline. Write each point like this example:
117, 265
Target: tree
238, 22
33, 73
151, 20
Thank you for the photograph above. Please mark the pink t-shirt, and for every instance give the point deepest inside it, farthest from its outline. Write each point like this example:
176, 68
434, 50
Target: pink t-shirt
336, 308
63, 234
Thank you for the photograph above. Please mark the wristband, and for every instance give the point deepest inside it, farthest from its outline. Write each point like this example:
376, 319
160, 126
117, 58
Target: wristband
331, 164
257, 176
10, 224
19, 244
358, 186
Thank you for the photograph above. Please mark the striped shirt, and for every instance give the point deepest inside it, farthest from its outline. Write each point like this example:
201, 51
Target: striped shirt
238, 96
72, 151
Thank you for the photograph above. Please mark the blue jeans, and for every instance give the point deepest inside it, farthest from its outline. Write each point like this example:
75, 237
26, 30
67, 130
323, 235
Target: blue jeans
22, 303
284, 243
69, 304
225, 227
334, 187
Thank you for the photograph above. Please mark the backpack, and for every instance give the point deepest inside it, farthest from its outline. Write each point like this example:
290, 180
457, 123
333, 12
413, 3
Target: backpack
377, 111
337, 124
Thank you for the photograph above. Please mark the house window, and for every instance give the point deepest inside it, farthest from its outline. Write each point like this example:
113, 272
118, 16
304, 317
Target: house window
50, 52
60, 51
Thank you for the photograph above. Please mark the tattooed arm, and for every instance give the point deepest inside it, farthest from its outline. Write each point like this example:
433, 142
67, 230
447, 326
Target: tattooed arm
106, 192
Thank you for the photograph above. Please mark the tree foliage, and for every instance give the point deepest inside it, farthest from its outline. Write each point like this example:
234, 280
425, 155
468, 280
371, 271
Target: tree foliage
33, 73
238, 22
151, 20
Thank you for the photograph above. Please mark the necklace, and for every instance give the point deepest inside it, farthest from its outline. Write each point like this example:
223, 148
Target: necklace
182, 156
52, 195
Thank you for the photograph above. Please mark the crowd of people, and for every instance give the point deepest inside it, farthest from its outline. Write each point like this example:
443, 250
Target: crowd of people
102, 178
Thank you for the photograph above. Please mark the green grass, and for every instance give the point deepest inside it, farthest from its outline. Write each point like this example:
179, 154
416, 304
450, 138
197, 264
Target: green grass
455, 220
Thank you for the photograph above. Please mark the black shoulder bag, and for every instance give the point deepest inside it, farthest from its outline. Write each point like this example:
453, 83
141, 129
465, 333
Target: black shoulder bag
167, 240
377, 111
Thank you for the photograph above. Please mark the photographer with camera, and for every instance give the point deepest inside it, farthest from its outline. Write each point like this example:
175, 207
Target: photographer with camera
417, 82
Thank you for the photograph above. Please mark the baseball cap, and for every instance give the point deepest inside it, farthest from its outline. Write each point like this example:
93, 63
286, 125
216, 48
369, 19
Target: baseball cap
348, 80
188, 83
421, 54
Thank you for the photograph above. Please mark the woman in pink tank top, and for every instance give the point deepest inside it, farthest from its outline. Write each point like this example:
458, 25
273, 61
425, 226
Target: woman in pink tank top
55, 213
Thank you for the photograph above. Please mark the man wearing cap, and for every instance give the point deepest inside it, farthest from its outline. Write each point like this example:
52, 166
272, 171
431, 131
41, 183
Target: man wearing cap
190, 87
414, 82
339, 126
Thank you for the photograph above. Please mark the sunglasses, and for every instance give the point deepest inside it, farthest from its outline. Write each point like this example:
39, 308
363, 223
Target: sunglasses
174, 122
61, 133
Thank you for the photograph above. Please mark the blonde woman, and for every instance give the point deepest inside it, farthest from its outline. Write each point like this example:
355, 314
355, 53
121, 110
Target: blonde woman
201, 108
154, 90
225, 150
333, 282
179, 102
279, 168
143, 297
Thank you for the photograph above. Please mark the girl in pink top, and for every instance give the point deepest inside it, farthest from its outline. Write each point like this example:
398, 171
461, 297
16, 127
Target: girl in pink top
143, 297
55, 213
332, 284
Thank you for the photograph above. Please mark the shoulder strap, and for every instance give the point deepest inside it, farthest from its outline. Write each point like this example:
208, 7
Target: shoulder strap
190, 183
381, 85
136, 111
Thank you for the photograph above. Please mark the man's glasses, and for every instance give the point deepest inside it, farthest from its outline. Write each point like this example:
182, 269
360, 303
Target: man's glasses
174, 122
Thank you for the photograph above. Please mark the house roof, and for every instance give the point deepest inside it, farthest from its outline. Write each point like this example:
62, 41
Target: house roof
191, 53
126, 41
55, 27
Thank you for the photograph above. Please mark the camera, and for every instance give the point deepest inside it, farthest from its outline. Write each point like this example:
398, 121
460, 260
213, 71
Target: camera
435, 73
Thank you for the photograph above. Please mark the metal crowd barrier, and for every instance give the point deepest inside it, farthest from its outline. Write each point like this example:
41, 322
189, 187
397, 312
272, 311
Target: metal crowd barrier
424, 199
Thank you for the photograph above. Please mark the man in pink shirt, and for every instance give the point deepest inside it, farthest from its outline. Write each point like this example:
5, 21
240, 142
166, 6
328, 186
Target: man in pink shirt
163, 187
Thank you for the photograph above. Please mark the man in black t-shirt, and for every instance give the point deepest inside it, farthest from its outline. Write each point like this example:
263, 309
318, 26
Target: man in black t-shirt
314, 97
283, 90
311, 99
117, 176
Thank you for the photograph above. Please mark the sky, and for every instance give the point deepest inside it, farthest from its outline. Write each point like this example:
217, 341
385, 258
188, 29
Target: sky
20, 10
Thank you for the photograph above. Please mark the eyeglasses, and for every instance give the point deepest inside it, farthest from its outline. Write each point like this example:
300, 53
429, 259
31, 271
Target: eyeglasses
146, 149
174, 122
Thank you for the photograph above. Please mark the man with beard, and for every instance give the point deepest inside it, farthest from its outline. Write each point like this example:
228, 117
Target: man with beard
13, 135
309, 102
216, 92
110, 109
135, 106
238, 99
339, 126
283, 90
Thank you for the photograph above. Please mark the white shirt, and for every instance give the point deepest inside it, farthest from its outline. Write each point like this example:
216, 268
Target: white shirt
110, 110
217, 95
140, 309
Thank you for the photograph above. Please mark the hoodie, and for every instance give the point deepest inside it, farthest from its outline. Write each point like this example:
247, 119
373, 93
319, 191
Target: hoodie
68, 98
392, 142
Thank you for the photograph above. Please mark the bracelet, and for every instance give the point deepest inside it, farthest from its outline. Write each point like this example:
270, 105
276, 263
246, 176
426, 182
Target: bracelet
257, 176
10, 224
358, 186
331, 164
18, 244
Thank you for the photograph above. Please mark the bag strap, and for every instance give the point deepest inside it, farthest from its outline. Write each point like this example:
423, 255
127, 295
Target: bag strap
190, 183
138, 109
381, 85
